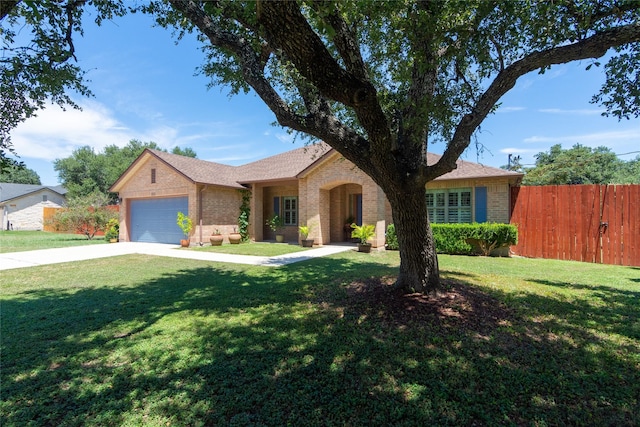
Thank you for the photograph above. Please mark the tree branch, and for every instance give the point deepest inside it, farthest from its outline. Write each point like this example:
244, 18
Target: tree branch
319, 122
6, 6
346, 44
594, 46
286, 28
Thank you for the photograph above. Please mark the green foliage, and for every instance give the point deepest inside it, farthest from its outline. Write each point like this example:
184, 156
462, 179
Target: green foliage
186, 152
185, 223
18, 174
304, 231
275, 223
85, 214
581, 165
392, 238
466, 239
628, 173
243, 218
363, 232
112, 229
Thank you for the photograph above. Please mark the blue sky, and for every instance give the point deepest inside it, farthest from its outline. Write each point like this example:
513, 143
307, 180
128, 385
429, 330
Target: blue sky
145, 88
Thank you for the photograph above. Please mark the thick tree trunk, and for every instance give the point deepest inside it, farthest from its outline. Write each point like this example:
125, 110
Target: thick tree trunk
419, 270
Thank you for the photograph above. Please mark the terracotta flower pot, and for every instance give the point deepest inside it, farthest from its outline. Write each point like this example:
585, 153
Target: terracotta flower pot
307, 243
235, 238
216, 239
364, 247
184, 243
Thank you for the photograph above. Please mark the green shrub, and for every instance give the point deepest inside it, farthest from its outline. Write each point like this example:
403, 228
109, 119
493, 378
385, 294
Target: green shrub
465, 239
469, 239
392, 238
451, 238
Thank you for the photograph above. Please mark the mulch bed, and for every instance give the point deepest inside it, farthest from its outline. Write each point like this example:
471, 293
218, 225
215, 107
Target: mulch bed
457, 305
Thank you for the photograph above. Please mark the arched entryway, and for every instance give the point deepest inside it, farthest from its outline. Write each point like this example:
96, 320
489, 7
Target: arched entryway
344, 207
336, 193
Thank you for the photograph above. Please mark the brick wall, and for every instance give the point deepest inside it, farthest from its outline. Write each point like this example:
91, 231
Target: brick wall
279, 189
497, 195
327, 188
169, 183
219, 209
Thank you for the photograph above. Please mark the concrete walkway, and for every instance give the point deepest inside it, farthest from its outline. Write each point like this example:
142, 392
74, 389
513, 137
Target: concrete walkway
13, 260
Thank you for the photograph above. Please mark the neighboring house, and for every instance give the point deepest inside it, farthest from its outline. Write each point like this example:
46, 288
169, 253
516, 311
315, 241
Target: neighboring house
23, 204
312, 186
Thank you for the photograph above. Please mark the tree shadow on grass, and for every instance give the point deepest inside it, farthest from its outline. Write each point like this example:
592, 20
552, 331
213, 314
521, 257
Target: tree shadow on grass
324, 342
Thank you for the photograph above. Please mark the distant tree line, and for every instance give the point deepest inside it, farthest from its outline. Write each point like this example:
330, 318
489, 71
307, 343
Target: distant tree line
17, 173
578, 165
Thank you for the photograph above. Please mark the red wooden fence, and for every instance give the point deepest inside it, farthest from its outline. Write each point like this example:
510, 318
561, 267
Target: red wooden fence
592, 223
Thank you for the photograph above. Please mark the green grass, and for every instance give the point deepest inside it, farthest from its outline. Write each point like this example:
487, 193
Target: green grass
252, 248
18, 241
153, 341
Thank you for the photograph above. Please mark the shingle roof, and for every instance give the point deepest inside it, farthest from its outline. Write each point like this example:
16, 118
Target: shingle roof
283, 166
470, 170
289, 165
201, 171
10, 191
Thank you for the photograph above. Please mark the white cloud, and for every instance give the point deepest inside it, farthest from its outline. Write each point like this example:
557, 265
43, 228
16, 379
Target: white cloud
579, 112
509, 150
285, 137
592, 139
510, 109
55, 133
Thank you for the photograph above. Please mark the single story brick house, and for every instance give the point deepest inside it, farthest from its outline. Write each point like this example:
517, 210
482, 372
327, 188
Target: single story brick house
312, 186
23, 204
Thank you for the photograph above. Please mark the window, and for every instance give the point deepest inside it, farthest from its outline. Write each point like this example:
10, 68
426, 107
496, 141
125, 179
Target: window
452, 205
153, 176
44, 197
290, 210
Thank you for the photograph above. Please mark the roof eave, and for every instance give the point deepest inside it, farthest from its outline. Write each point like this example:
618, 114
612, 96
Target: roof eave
445, 178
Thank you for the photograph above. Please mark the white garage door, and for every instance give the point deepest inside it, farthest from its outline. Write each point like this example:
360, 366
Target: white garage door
154, 220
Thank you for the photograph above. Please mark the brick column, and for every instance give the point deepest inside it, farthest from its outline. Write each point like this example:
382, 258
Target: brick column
373, 211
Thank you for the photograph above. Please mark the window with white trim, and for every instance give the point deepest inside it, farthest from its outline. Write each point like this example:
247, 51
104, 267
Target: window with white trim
449, 206
290, 210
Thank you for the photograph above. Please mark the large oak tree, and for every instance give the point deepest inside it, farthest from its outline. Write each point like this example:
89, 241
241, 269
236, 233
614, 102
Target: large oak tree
379, 80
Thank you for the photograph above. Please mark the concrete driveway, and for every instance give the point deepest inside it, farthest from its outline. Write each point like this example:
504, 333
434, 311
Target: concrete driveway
80, 253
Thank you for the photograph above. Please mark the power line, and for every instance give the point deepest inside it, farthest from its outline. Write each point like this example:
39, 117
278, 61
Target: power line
624, 154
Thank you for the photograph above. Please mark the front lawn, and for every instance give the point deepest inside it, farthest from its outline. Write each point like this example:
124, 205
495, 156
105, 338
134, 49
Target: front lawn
252, 248
155, 341
18, 241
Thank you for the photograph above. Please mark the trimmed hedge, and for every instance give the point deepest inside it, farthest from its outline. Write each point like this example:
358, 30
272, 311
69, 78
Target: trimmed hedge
465, 239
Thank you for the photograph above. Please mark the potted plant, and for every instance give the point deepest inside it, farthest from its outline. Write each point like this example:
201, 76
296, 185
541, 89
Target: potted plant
276, 224
216, 238
186, 225
235, 238
363, 233
347, 226
304, 233
112, 233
